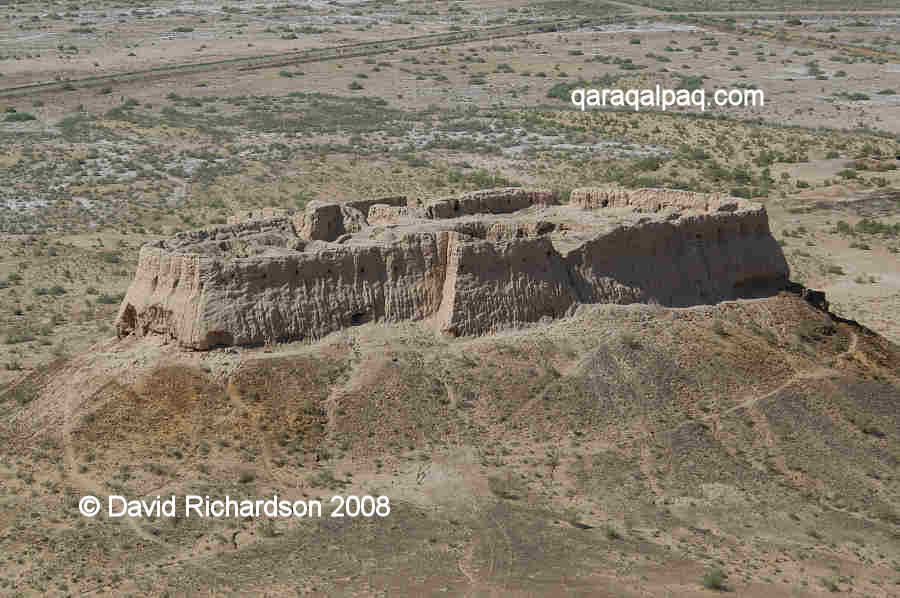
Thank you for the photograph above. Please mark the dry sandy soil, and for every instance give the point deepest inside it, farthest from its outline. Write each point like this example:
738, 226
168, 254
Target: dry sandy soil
593, 456
629, 451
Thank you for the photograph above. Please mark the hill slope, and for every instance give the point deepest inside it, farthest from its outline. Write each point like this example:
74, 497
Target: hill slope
625, 451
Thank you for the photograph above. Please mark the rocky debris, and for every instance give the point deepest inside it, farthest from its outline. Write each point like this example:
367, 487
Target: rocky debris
470, 264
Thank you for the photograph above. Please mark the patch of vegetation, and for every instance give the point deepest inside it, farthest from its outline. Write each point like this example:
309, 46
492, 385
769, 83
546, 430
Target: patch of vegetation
715, 580
19, 117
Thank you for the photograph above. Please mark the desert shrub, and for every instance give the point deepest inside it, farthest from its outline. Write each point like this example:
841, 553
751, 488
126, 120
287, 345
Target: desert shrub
110, 299
563, 90
24, 394
843, 228
719, 328
629, 340
503, 487
19, 117
24, 335
874, 227
267, 528
325, 479
715, 580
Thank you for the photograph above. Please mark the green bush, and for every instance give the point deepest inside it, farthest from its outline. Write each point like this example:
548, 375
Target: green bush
19, 117
20, 336
110, 299
563, 90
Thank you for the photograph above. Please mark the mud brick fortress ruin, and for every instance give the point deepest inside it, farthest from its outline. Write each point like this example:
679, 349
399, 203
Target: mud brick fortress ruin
464, 265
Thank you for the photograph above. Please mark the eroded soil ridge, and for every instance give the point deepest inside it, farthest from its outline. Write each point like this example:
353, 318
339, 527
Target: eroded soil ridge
465, 265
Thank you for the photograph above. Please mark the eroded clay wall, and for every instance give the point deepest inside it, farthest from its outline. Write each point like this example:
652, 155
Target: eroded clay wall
700, 258
203, 302
643, 200
281, 279
489, 201
493, 285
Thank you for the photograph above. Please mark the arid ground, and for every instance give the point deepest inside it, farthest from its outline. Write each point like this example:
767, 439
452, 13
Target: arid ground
749, 447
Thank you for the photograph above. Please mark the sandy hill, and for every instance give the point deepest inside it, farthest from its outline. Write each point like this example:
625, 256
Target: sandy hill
621, 450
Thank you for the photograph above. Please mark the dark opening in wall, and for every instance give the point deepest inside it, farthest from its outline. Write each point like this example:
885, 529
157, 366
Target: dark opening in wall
360, 318
128, 322
219, 338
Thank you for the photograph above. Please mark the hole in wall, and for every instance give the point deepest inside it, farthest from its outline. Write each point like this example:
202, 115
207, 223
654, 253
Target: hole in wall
360, 318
